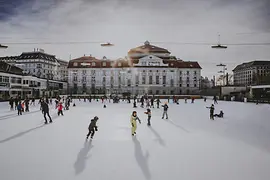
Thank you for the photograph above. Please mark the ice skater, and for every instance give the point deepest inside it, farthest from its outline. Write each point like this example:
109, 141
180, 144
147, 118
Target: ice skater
220, 115
148, 112
92, 128
19, 108
60, 109
158, 101
165, 110
45, 110
215, 100
134, 118
212, 108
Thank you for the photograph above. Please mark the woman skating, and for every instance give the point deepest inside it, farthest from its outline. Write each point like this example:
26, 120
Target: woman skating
134, 118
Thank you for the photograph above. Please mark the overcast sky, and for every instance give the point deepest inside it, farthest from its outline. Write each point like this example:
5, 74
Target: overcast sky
128, 23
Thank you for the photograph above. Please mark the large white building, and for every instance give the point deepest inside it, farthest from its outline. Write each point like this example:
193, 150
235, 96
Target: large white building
40, 64
147, 69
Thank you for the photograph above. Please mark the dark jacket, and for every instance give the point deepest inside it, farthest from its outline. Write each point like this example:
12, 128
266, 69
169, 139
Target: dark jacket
45, 107
165, 107
93, 125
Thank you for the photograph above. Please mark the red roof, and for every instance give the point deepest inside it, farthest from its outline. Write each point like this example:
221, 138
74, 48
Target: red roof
147, 48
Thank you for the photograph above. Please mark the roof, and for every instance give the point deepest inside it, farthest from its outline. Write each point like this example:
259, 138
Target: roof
9, 58
148, 48
92, 62
250, 64
36, 55
7, 68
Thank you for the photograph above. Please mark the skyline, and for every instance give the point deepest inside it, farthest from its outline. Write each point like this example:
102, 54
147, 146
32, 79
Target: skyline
128, 24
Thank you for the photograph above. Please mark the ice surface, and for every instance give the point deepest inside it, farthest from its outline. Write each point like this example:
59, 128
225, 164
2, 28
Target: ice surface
188, 146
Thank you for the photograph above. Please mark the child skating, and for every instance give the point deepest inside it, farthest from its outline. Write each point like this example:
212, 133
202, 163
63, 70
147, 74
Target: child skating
212, 108
165, 110
60, 109
148, 112
134, 118
92, 128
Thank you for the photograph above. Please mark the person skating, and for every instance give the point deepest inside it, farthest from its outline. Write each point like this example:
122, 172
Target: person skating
142, 102
26, 105
134, 118
152, 102
192, 100
134, 104
33, 102
19, 108
148, 112
92, 128
185, 100
165, 110
22, 104
212, 108
11, 103
158, 101
45, 111
204, 99
220, 115
215, 100
60, 109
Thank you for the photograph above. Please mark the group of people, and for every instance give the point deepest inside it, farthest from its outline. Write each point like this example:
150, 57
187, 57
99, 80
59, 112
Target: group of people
21, 105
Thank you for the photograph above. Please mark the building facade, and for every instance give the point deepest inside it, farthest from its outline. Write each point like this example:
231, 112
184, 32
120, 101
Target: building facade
148, 69
13, 82
39, 64
252, 73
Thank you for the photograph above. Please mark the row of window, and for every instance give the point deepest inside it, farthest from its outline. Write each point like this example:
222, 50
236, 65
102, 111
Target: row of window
144, 71
4, 79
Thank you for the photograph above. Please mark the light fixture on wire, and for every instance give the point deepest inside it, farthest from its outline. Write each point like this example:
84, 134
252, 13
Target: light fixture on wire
3, 46
219, 46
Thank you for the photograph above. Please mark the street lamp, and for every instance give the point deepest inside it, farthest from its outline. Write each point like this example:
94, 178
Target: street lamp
3, 46
219, 46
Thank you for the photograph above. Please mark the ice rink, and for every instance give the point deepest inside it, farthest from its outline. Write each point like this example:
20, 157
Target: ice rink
188, 146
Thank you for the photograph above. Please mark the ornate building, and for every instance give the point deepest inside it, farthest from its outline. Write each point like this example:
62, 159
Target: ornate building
39, 64
147, 69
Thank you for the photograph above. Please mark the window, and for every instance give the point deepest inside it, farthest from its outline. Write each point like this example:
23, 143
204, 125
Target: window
104, 80
180, 73
93, 64
157, 79
39, 66
172, 82
84, 72
187, 79
157, 91
104, 64
180, 79
119, 64
187, 85
84, 79
129, 82
195, 72
75, 78
188, 73
164, 80
74, 64
137, 79
150, 79
195, 85
180, 85
143, 80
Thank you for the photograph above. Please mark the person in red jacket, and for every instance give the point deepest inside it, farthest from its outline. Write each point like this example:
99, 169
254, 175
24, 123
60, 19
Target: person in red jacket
60, 109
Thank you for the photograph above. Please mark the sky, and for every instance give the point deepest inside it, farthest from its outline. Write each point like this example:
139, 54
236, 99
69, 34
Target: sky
29, 24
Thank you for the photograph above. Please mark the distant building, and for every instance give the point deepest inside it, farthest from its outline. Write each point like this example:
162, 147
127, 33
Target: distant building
148, 69
39, 64
13, 82
252, 73
206, 83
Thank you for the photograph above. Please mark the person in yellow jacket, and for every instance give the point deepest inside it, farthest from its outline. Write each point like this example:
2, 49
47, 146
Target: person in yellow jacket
134, 118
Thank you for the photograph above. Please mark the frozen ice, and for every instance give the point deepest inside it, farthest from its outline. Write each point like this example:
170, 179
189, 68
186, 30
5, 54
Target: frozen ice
187, 146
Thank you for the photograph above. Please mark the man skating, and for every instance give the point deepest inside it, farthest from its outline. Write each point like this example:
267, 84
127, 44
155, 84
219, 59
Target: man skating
45, 110
134, 118
92, 128
165, 110
148, 112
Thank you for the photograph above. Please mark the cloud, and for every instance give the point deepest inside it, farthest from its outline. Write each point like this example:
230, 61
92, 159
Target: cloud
129, 23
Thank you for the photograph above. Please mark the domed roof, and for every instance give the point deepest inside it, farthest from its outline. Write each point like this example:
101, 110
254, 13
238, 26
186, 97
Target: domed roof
147, 48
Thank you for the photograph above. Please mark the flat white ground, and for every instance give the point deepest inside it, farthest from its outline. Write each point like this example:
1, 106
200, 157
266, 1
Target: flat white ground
188, 146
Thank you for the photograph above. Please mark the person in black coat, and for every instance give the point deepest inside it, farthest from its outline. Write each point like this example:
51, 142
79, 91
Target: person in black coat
45, 110
165, 110
92, 128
